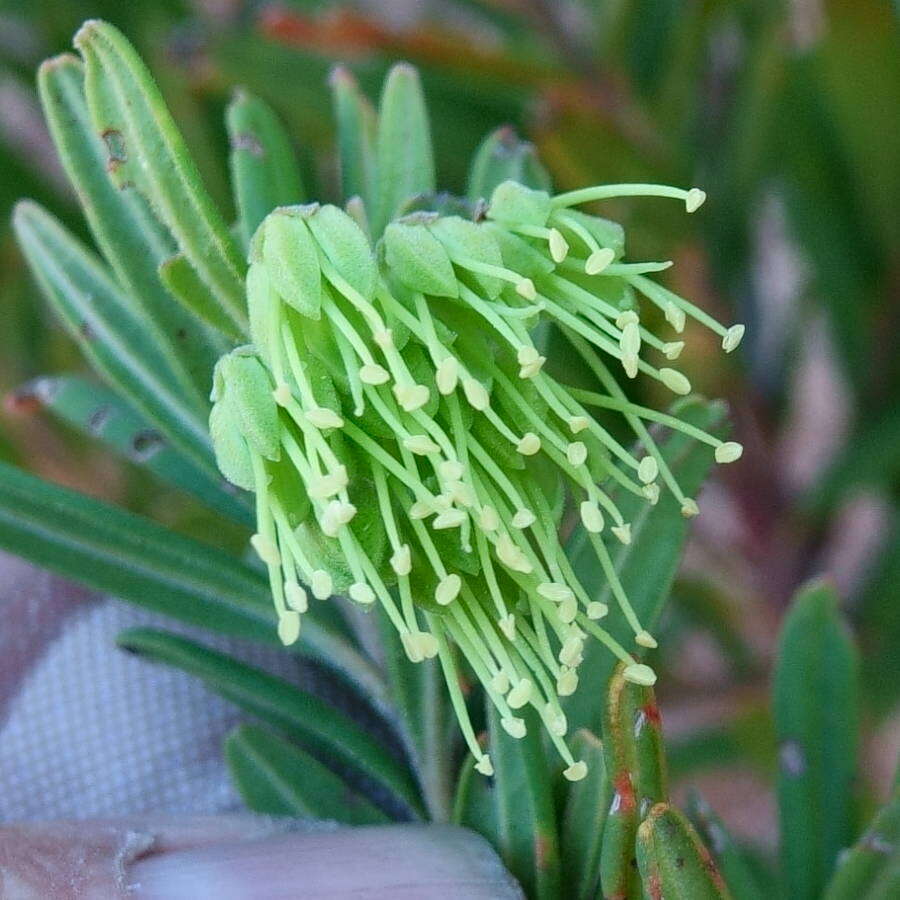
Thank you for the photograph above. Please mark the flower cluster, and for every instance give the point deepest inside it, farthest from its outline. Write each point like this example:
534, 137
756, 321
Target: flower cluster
408, 447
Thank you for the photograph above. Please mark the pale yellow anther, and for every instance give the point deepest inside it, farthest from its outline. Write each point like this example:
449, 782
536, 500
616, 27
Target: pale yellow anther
527, 354
384, 337
335, 515
325, 486
651, 492
597, 610
484, 765
321, 584
500, 682
411, 646
362, 593
520, 694
529, 444
568, 610
556, 593
420, 444
694, 199
411, 396
524, 518
322, 417
591, 516
555, 719
507, 625
266, 549
675, 381
533, 368
576, 771
674, 316
672, 350
488, 519
732, 338
282, 394
576, 453
570, 652
626, 317
428, 645
447, 375
288, 627
728, 452
689, 508
648, 469
645, 639
510, 554
566, 682
451, 470
476, 394
514, 727
450, 518
630, 365
599, 260
577, 424
622, 532
421, 509
401, 560
296, 597
638, 673
448, 589
630, 341
525, 288
559, 246
372, 373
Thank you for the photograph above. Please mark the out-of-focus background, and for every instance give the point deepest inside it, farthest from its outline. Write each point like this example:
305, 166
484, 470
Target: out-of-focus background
786, 113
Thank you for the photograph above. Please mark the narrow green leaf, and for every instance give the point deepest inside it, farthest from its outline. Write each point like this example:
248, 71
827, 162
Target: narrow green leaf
584, 815
105, 326
523, 799
129, 237
185, 285
672, 859
296, 713
100, 413
144, 148
736, 872
278, 778
816, 721
501, 157
420, 695
405, 159
264, 171
132, 558
647, 566
356, 126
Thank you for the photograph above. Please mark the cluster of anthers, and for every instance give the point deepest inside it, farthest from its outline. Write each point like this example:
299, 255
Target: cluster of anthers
408, 447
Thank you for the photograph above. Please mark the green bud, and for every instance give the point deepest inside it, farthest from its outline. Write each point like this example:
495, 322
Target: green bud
345, 246
466, 240
229, 446
249, 390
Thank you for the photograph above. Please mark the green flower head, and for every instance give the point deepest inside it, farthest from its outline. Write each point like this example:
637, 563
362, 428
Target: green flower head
408, 445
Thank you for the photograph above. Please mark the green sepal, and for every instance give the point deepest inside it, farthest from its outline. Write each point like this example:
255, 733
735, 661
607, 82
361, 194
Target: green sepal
346, 247
262, 307
232, 453
248, 388
519, 205
673, 861
264, 171
291, 257
463, 239
418, 259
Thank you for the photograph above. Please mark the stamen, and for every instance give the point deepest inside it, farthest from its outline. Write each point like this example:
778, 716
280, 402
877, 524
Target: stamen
693, 198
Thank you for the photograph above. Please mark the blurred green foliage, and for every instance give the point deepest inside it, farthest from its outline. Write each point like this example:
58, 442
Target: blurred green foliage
785, 113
